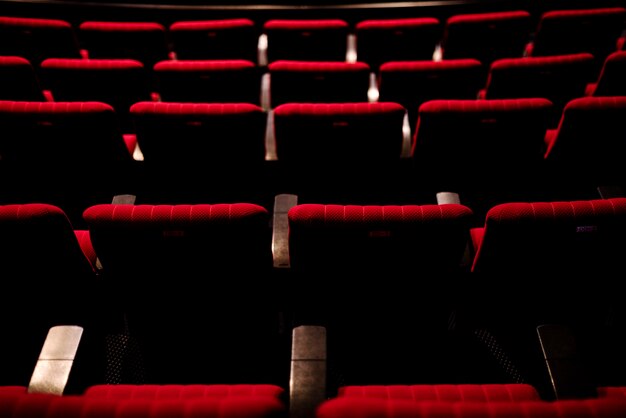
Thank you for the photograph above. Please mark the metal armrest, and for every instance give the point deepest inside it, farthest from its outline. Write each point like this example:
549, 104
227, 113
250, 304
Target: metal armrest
56, 359
609, 192
568, 377
124, 199
308, 371
280, 229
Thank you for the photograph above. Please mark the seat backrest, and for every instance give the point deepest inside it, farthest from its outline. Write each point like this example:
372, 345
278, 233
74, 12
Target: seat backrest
594, 31
589, 143
306, 39
557, 78
145, 42
405, 39
172, 253
37, 39
412, 83
202, 152
19, 80
346, 133
611, 80
205, 134
67, 153
40, 255
554, 237
117, 82
205, 81
352, 238
218, 39
480, 138
318, 82
486, 36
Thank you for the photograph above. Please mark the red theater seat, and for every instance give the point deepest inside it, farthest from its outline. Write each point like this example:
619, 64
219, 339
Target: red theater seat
208, 81
594, 31
558, 78
216, 39
41, 253
327, 150
145, 42
37, 39
611, 81
587, 147
491, 150
486, 36
71, 154
117, 82
405, 39
173, 252
306, 39
19, 80
412, 83
318, 82
206, 152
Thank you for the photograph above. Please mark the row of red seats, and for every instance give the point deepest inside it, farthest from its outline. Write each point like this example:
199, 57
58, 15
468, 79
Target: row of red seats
485, 37
130, 254
122, 83
186, 146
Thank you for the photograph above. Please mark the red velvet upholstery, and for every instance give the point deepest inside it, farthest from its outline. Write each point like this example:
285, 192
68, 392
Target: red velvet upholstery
558, 78
382, 40
227, 81
117, 82
412, 83
143, 237
486, 36
370, 238
480, 138
163, 392
378, 408
573, 31
588, 144
318, 82
217, 39
39, 255
176, 254
19, 80
49, 406
37, 39
306, 39
68, 153
514, 392
618, 392
142, 41
554, 237
611, 80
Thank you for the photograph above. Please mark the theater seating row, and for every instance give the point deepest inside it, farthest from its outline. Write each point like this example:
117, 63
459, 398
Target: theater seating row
483, 36
136, 281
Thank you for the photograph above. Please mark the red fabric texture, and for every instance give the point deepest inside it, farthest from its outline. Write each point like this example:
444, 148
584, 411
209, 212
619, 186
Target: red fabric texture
122, 26
318, 66
380, 408
486, 17
90, 64
305, 24
161, 392
218, 24
373, 24
203, 65
34, 22
445, 392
